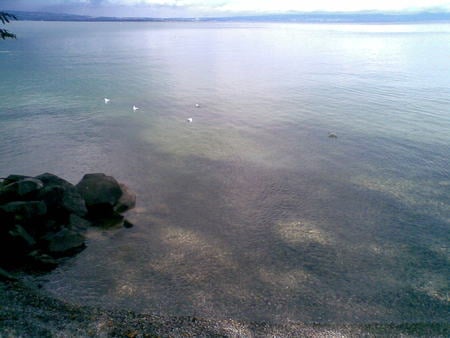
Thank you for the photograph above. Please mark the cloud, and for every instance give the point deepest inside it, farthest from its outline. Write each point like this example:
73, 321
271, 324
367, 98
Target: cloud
285, 5
219, 7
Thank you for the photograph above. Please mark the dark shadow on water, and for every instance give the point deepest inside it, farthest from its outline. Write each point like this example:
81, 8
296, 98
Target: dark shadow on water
231, 239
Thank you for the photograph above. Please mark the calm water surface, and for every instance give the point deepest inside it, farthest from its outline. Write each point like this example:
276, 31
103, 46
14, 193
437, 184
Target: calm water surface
251, 211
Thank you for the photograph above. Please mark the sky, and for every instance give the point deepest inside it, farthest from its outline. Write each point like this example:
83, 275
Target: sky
199, 8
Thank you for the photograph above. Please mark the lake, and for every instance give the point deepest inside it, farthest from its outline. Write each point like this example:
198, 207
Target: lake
251, 211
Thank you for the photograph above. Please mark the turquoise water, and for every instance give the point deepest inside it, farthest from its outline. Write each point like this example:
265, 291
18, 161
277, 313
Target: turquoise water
250, 211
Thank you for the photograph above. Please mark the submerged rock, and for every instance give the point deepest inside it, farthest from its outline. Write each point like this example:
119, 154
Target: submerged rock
64, 242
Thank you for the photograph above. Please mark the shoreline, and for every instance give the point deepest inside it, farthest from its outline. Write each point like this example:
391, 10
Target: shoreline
28, 311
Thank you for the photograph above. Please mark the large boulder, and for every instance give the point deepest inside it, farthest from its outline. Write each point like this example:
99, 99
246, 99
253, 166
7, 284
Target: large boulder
22, 237
99, 191
51, 179
23, 189
61, 196
24, 212
14, 178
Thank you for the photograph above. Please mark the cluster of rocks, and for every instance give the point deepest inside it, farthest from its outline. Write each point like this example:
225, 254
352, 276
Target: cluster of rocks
43, 218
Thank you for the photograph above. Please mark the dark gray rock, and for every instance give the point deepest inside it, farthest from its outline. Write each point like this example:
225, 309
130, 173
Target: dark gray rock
73, 202
107, 220
22, 236
99, 190
24, 211
61, 196
6, 221
52, 196
42, 218
5, 275
41, 260
78, 223
126, 201
14, 178
127, 224
19, 190
50, 179
28, 186
64, 242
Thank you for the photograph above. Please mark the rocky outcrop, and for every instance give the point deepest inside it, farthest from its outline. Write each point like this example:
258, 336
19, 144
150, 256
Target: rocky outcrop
43, 218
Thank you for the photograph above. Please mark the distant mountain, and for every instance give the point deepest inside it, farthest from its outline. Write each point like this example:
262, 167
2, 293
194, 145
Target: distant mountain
322, 17
43, 16
361, 17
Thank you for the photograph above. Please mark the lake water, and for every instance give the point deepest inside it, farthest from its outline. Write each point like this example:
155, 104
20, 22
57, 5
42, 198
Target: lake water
251, 211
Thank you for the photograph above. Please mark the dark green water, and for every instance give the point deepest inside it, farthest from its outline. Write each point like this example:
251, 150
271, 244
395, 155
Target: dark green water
250, 211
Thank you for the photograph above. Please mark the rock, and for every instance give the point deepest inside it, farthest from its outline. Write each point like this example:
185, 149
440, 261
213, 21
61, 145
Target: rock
5, 275
6, 221
41, 260
99, 191
73, 202
127, 224
52, 196
126, 201
42, 218
105, 220
21, 235
64, 242
25, 211
78, 223
332, 135
61, 196
25, 187
50, 179
20, 190
14, 178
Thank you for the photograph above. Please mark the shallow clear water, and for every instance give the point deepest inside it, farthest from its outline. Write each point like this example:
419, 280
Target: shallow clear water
251, 211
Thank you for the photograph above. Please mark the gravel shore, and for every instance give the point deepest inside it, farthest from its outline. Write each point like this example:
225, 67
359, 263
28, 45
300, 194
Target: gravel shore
28, 311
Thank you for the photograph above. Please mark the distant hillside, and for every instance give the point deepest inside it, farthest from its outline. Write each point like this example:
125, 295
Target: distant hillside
43, 16
361, 17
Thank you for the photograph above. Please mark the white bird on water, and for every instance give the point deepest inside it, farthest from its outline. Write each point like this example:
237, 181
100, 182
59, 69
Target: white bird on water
135, 108
189, 120
107, 100
197, 105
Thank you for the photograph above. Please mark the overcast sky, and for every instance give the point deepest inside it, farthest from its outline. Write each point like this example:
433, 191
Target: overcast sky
171, 8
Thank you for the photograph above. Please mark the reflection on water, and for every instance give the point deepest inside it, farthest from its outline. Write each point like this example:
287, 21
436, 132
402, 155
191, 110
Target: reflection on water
250, 211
